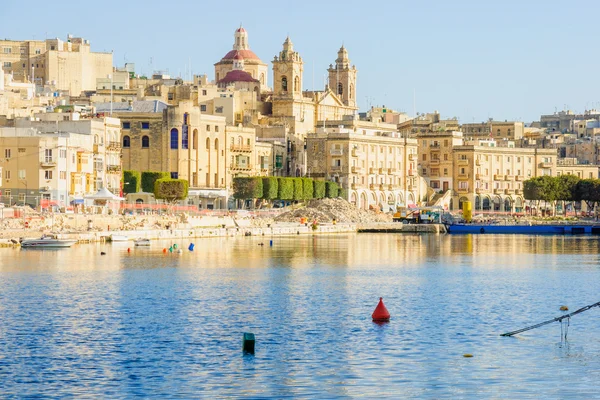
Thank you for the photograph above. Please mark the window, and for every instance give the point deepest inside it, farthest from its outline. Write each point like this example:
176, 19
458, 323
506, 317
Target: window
284, 85
203, 107
219, 110
7, 153
170, 96
216, 128
7, 64
207, 143
174, 139
145, 125
7, 177
7, 50
424, 157
126, 141
207, 128
184, 137
424, 171
204, 94
145, 142
174, 175
47, 175
38, 51
126, 125
22, 174
63, 175
62, 153
296, 84
463, 184
22, 197
48, 155
340, 89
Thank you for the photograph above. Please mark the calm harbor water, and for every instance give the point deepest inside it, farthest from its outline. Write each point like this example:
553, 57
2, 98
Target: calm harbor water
74, 323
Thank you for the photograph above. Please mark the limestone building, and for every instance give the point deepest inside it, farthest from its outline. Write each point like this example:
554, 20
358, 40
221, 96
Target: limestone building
68, 66
372, 161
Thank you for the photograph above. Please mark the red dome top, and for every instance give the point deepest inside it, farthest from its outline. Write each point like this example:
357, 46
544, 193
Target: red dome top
241, 30
238, 56
245, 54
237, 76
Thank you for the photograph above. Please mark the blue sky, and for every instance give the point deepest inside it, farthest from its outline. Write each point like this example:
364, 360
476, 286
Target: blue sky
470, 59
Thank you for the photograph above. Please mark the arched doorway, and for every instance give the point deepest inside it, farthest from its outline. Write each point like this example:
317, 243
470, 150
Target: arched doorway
364, 202
497, 203
354, 199
508, 204
485, 204
477, 203
411, 199
518, 205
399, 200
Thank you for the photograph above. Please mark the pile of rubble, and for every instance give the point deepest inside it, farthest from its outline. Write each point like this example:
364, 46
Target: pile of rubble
326, 210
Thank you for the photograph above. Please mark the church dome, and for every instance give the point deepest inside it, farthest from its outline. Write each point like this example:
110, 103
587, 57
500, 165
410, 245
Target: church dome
237, 76
246, 54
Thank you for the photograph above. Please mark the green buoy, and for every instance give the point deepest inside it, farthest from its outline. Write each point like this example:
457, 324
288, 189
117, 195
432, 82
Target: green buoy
248, 343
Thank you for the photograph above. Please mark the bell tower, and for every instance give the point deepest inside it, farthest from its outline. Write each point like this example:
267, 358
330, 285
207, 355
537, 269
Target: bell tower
287, 72
342, 78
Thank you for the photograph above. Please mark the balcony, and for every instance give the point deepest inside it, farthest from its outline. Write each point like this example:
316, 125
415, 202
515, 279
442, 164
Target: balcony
412, 157
463, 162
113, 169
509, 177
434, 162
509, 191
380, 171
336, 152
411, 172
353, 186
518, 178
356, 153
463, 176
434, 145
463, 190
113, 146
356, 170
390, 187
498, 177
47, 164
371, 186
478, 176
478, 191
498, 191
518, 191
97, 148
336, 168
391, 171
545, 165
372, 170
477, 162
241, 148
240, 167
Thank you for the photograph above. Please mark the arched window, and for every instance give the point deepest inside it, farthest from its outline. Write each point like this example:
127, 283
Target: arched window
351, 91
145, 142
95, 139
174, 138
296, 84
262, 79
340, 89
284, 84
217, 144
126, 141
207, 143
240, 140
195, 139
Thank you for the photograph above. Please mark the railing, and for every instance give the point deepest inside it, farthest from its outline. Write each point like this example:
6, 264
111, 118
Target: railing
463, 175
336, 152
509, 177
113, 168
412, 157
356, 153
477, 162
240, 148
435, 145
545, 165
391, 171
463, 190
336, 168
371, 186
114, 146
411, 172
47, 164
353, 186
478, 176
434, 162
509, 191
518, 178
498, 191
240, 167
498, 177
380, 171
372, 170
518, 191
463, 162
356, 170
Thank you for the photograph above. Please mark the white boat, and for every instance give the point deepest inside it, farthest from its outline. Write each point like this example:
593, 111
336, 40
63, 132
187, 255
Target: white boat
118, 238
47, 242
142, 242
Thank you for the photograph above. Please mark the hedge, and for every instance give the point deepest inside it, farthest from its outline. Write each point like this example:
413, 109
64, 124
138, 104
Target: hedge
307, 188
319, 189
298, 186
331, 190
343, 193
285, 189
246, 187
149, 177
171, 189
270, 188
131, 181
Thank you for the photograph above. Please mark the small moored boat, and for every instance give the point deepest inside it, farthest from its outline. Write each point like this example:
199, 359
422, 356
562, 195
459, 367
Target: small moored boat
118, 238
142, 242
47, 241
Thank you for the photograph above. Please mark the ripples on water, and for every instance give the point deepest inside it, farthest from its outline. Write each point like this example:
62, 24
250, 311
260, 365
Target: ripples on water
77, 324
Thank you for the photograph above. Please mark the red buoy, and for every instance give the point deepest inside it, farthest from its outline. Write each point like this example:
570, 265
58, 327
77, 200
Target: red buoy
381, 314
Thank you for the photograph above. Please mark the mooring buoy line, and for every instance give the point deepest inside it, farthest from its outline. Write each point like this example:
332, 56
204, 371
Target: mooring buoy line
557, 319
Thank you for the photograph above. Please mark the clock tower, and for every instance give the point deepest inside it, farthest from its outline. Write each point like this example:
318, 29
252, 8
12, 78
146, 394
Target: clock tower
342, 78
287, 72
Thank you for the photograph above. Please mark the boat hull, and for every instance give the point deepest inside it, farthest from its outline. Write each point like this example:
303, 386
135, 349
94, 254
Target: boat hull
524, 229
50, 244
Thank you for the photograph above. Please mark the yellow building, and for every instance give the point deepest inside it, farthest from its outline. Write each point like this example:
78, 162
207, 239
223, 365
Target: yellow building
571, 166
372, 161
436, 162
509, 130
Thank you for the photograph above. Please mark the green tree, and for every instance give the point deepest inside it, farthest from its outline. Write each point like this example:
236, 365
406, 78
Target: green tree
149, 177
567, 188
319, 189
286, 188
307, 188
245, 188
171, 189
131, 181
343, 193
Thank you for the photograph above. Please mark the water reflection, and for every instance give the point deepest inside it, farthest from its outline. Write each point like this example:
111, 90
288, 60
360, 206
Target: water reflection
145, 323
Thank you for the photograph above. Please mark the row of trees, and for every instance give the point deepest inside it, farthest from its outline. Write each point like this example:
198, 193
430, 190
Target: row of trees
158, 183
293, 189
567, 188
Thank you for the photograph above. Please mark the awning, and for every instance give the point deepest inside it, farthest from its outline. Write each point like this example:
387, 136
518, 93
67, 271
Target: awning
77, 201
